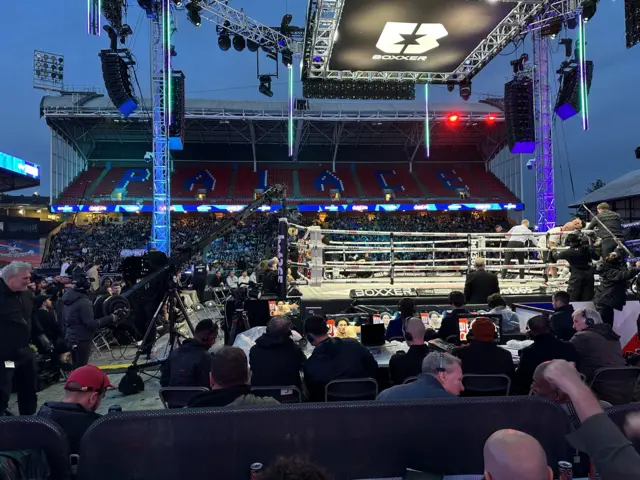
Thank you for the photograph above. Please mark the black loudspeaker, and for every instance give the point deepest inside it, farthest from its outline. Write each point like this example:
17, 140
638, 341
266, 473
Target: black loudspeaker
177, 127
518, 114
568, 101
117, 80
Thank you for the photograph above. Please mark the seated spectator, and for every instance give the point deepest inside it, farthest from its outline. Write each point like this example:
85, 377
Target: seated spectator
275, 359
562, 318
598, 346
217, 281
232, 280
294, 468
46, 331
480, 284
510, 320
545, 347
189, 365
344, 330
244, 280
483, 355
449, 326
395, 329
83, 391
441, 377
270, 278
229, 382
511, 454
333, 359
404, 365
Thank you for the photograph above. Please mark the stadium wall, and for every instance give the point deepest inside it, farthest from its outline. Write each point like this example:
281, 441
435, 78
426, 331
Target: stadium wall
508, 168
65, 164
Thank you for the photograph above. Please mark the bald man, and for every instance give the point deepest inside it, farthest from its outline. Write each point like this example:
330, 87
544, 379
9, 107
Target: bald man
510, 454
404, 365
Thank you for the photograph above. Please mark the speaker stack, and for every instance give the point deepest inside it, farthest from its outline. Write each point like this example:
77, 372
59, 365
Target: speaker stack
519, 117
117, 80
568, 101
177, 127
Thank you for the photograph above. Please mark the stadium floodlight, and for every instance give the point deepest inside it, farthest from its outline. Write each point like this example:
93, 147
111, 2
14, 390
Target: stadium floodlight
193, 14
48, 71
238, 43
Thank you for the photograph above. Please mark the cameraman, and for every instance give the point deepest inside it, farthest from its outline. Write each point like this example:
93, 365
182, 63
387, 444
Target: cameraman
612, 292
579, 256
79, 321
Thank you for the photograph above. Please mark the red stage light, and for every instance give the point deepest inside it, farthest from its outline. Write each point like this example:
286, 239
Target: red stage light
491, 118
453, 118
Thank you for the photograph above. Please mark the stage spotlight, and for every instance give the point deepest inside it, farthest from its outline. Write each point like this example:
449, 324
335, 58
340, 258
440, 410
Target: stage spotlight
265, 85
450, 86
491, 118
177, 3
284, 24
193, 14
568, 46
572, 23
238, 43
588, 9
552, 28
224, 41
453, 118
465, 90
287, 57
252, 46
147, 6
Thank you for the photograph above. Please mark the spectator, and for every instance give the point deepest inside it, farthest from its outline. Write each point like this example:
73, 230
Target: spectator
244, 280
612, 455
84, 390
105, 287
483, 355
232, 280
17, 360
76, 268
579, 257
545, 347
47, 334
441, 378
93, 276
190, 365
518, 237
562, 318
63, 268
217, 280
598, 346
294, 468
333, 359
275, 359
480, 284
229, 382
612, 222
510, 320
612, 292
511, 454
270, 278
449, 328
404, 365
395, 329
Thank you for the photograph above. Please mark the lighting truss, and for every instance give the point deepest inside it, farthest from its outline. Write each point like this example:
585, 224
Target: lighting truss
324, 18
250, 29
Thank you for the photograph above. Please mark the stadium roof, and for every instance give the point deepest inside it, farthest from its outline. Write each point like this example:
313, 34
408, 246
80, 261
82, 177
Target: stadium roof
88, 119
626, 186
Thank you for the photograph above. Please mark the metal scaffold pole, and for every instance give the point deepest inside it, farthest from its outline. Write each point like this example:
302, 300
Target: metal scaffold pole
545, 189
161, 94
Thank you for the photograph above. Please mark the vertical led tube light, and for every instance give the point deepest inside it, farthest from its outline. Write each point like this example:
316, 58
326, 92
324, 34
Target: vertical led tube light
427, 128
290, 110
166, 25
584, 87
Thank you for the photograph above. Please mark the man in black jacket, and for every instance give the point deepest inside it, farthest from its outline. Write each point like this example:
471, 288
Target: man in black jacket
17, 360
79, 321
199, 278
190, 365
404, 365
612, 291
562, 318
275, 359
83, 391
480, 284
270, 278
579, 256
333, 359
449, 327
545, 347
612, 222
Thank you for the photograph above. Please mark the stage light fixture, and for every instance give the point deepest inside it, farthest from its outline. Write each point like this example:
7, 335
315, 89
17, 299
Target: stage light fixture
224, 41
450, 86
265, 85
147, 6
177, 3
287, 57
491, 118
551, 29
568, 46
252, 46
588, 9
453, 118
239, 43
572, 23
284, 24
465, 90
193, 14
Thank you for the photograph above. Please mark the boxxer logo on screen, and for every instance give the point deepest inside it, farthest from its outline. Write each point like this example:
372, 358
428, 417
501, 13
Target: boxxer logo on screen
409, 41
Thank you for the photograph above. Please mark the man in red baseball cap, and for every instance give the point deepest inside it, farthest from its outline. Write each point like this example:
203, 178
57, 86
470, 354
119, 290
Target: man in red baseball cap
84, 390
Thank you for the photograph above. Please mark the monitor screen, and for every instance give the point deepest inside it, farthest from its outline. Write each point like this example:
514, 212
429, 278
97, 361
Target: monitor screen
347, 325
466, 322
372, 335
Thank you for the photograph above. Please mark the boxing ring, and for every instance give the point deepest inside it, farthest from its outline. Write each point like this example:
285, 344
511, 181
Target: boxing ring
333, 262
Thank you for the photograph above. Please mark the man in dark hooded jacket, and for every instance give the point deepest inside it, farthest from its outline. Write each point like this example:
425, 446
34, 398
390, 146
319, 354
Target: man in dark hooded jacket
562, 317
608, 226
79, 321
275, 359
598, 346
611, 294
333, 359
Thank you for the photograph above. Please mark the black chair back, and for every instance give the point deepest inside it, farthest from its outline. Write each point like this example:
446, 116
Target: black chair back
618, 415
351, 389
38, 434
625, 376
384, 438
284, 394
486, 385
178, 397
